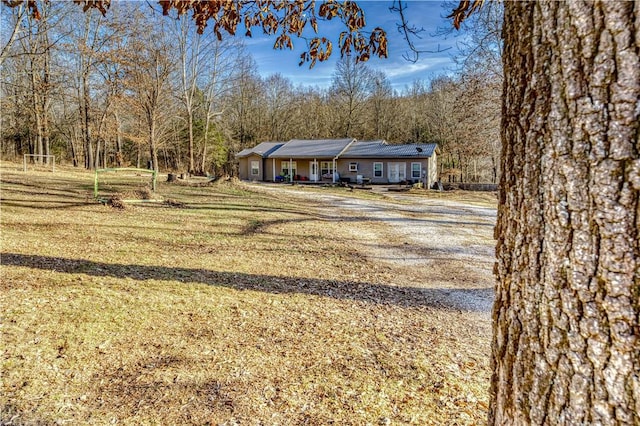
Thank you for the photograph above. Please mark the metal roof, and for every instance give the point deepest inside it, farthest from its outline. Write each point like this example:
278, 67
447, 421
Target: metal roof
318, 148
263, 149
342, 148
380, 149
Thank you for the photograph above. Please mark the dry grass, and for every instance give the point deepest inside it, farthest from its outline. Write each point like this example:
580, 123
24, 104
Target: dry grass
238, 307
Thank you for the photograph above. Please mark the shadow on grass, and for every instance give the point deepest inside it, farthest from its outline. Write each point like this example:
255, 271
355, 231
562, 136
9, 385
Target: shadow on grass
469, 300
45, 204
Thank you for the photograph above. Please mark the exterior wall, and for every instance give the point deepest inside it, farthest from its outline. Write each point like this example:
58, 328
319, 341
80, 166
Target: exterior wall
303, 167
243, 169
432, 171
268, 169
365, 168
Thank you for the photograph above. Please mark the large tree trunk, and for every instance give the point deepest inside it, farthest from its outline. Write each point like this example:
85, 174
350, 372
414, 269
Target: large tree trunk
566, 345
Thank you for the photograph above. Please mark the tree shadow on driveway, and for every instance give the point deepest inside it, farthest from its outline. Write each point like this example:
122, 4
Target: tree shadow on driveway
466, 300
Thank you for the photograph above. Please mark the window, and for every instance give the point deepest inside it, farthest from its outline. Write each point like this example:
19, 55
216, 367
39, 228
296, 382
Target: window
326, 168
285, 168
416, 170
255, 168
353, 167
377, 170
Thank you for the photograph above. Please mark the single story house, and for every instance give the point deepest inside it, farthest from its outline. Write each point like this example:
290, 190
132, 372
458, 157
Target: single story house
309, 160
254, 162
379, 162
334, 160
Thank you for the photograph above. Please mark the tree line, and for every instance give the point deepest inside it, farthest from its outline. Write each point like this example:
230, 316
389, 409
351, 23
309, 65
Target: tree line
141, 90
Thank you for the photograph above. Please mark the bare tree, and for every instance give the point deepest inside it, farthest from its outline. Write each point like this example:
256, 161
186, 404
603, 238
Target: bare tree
311, 115
352, 85
148, 70
481, 50
190, 53
245, 101
278, 95
218, 85
37, 51
381, 107
84, 52
11, 21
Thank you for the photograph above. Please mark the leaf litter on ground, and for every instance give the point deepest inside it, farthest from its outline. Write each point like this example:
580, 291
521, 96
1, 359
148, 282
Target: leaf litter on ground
244, 308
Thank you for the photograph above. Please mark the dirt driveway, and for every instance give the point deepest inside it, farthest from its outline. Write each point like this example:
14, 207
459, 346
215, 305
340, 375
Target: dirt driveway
440, 244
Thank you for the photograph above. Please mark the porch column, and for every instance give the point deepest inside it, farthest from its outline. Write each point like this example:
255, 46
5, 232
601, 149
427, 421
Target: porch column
333, 178
290, 170
315, 165
273, 164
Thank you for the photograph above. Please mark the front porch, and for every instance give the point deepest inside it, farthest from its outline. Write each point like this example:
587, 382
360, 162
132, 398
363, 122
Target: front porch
306, 171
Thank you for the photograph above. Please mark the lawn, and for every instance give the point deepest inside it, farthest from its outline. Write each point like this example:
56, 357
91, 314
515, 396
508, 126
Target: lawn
239, 306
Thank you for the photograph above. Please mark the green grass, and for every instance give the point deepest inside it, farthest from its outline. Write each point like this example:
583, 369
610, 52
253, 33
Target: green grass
241, 307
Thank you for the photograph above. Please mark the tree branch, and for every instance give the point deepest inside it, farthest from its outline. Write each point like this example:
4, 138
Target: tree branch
410, 32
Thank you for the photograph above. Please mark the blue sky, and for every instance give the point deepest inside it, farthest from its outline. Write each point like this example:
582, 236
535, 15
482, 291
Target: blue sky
401, 73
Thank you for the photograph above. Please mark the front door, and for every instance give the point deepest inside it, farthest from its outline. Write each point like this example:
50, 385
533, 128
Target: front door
397, 172
313, 171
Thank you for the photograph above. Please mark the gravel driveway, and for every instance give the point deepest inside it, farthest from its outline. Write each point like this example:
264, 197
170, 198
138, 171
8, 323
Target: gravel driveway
442, 245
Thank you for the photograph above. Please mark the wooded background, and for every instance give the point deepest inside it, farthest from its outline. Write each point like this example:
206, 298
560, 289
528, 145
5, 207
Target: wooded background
135, 88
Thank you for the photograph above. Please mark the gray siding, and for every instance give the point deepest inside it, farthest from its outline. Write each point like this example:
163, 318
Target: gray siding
243, 173
268, 169
365, 169
244, 169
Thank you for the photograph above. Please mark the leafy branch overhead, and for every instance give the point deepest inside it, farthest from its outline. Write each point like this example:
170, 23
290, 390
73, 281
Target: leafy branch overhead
283, 19
465, 9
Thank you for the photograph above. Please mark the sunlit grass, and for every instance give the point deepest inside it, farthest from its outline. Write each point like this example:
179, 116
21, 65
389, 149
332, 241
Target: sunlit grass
242, 307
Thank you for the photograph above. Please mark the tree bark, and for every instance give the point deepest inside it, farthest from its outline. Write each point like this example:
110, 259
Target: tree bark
119, 155
35, 96
566, 345
153, 151
83, 105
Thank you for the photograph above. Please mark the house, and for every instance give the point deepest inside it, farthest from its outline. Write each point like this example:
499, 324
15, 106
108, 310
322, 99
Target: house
379, 162
309, 160
346, 160
254, 162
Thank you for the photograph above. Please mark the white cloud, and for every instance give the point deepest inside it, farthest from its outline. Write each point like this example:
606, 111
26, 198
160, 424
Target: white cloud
428, 64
